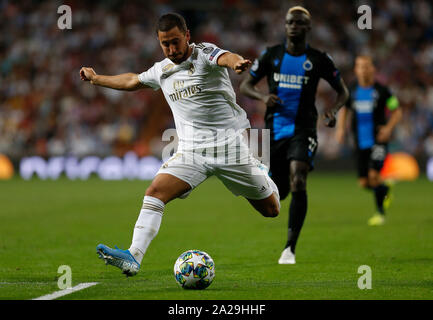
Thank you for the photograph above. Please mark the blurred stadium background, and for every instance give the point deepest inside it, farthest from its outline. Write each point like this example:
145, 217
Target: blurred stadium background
46, 111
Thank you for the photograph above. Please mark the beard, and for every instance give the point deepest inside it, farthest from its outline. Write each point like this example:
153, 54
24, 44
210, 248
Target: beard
179, 57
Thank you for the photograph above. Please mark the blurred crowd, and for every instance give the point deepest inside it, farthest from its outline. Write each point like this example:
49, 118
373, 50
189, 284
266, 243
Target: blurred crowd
45, 109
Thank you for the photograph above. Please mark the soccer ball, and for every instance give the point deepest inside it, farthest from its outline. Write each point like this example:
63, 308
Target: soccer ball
194, 269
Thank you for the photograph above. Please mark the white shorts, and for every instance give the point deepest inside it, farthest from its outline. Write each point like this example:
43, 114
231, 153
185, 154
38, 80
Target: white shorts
244, 176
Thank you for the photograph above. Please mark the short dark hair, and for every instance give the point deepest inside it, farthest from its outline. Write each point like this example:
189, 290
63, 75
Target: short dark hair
171, 20
365, 56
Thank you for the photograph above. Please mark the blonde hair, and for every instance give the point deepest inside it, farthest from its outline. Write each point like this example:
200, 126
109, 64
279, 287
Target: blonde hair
299, 8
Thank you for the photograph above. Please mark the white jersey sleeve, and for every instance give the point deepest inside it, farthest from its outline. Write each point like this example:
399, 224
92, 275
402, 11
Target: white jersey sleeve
151, 77
210, 53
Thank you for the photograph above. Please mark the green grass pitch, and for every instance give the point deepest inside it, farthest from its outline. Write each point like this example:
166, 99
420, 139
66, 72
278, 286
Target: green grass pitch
45, 224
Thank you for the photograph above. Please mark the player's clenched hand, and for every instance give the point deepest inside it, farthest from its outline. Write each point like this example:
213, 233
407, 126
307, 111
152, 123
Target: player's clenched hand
330, 119
87, 74
241, 65
271, 100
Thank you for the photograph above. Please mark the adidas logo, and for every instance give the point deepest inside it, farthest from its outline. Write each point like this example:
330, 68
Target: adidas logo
263, 188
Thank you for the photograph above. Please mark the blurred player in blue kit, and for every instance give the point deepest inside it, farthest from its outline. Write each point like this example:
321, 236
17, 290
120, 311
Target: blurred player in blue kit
375, 112
293, 70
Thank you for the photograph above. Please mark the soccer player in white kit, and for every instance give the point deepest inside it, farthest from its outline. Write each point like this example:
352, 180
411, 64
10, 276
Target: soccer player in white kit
211, 130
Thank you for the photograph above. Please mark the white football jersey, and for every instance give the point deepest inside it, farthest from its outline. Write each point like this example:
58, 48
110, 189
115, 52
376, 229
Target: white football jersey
201, 97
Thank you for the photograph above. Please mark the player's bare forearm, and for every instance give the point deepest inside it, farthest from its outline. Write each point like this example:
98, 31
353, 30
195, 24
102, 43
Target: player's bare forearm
342, 96
395, 118
385, 132
234, 61
248, 88
341, 125
125, 81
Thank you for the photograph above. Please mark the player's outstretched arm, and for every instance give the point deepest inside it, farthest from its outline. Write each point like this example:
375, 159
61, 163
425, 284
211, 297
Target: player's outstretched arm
233, 61
342, 96
125, 81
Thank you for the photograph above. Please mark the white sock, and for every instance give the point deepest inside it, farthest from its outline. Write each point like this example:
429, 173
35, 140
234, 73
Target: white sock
147, 226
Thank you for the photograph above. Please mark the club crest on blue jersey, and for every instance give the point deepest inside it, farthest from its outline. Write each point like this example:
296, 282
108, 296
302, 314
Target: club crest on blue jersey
308, 65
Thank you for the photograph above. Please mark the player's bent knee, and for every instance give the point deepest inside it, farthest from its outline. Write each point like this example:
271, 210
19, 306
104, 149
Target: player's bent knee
154, 191
151, 191
271, 211
298, 183
268, 207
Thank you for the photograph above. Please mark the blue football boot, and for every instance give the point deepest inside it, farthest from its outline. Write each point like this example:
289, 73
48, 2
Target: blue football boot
122, 259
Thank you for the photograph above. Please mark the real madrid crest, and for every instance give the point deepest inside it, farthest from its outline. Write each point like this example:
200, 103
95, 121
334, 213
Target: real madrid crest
208, 50
308, 65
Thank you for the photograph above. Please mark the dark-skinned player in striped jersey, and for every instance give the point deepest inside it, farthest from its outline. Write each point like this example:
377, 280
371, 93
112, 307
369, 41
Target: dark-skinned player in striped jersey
375, 113
293, 70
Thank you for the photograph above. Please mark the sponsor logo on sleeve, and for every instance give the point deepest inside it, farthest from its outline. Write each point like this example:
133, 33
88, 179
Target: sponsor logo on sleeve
214, 53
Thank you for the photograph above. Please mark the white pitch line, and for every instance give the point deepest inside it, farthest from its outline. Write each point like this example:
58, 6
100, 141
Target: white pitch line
64, 292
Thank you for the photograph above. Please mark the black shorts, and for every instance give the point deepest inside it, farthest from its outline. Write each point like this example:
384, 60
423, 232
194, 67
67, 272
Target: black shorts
371, 158
302, 147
